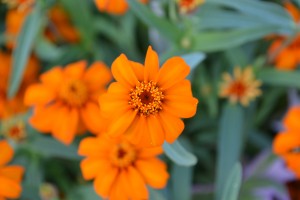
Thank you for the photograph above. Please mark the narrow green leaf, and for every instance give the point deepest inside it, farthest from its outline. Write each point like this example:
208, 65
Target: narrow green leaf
181, 182
170, 31
179, 155
47, 50
233, 183
23, 48
86, 192
155, 194
193, 59
230, 143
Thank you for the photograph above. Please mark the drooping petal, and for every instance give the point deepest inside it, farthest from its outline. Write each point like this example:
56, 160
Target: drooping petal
120, 188
92, 118
184, 107
12, 172
103, 184
38, 94
156, 131
97, 76
138, 185
91, 167
123, 72
173, 71
151, 65
172, 125
6, 152
75, 70
65, 125
154, 172
53, 77
9, 188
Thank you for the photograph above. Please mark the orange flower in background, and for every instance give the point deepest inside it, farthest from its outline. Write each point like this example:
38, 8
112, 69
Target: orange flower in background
121, 171
65, 102
146, 103
20, 4
10, 176
186, 6
287, 57
10, 107
117, 7
241, 87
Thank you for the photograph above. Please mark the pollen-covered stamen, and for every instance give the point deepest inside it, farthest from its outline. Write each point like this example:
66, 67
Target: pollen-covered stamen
146, 98
238, 88
123, 155
74, 92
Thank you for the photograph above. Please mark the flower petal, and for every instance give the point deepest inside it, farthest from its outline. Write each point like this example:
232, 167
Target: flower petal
150, 152
93, 146
6, 152
9, 188
156, 131
12, 172
291, 119
285, 142
173, 70
38, 94
154, 172
151, 65
53, 77
75, 70
103, 184
120, 189
138, 70
90, 167
113, 105
181, 106
135, 180
123, 72
182, 88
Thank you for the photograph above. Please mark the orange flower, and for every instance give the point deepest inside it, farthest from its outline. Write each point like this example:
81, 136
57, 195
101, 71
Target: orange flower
66, 100
186, 6
287, 57
13, 129
117, 7
10, 176
146, 103
242, 86
20, 4
9, 107
121, 171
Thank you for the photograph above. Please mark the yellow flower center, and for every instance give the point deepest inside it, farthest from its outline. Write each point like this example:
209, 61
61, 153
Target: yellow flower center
146, 98
74, 92
123, 155
238, 88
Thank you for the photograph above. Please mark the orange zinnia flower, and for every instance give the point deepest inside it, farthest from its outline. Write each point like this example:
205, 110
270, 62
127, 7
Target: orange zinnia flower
186, 6
241, 87
146, 103
117, 7
66, 100
10, 176
121, 171
287, 57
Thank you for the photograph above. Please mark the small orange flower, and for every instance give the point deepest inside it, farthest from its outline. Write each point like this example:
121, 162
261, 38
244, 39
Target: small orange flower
146, 103
118, 7
66, 100
121, 171
13, 129
241, 87
186, 6
287, 57
10, 176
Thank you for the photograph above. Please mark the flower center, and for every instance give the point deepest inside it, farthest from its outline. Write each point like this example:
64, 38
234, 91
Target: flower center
74, 92
238, 88
123, 155
146, 98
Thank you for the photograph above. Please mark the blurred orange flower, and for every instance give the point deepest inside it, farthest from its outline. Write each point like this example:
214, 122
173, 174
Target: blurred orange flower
20, 4
10, 176
117, 7
241, 87
121, 171
9, 107
146, 103
287, 57
186, 6
65, 101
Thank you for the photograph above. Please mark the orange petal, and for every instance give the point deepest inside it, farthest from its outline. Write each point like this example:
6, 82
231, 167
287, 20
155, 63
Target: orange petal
118, 7
291, 119
173, 70
53, 77
150, 152
92, 118
123, 72
65, 125
119, 89
184, 107
97, 76
90, 167
172, 125
12, 172
293, 10
6, 152
285, 142
151, 65
38, 94
135, 180
120, 189
156, 131
93, 146
286, 60
113, 105
182, 88
2, 198
138, 70
154, 172
9, 188
75, 70
103, 184
136, 133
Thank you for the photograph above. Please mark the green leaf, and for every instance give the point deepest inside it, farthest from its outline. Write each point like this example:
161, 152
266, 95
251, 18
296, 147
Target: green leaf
230, 143
279, 78
233, 183
181, 182
193, 59
47, 50
83, 192
155, 194
179, 155
23, 48
170, 31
